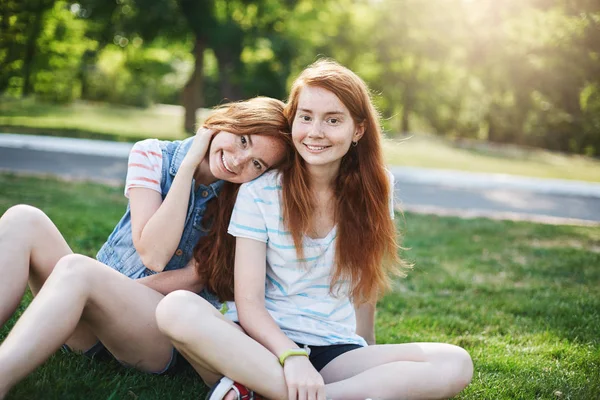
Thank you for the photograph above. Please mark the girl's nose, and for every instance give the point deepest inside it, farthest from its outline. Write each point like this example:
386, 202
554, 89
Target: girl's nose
240, 158
315, 130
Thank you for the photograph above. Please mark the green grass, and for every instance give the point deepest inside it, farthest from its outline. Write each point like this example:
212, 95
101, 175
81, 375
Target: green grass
435, 152
91, 120
522, 298
113, 122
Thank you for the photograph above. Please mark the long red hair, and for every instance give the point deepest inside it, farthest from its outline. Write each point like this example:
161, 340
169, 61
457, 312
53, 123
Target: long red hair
367, 248
215, 252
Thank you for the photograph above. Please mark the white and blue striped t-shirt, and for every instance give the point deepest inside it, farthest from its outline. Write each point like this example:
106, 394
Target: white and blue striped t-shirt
297, 294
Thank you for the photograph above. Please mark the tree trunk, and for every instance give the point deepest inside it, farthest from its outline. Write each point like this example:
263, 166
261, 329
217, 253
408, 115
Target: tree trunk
408, 98
492, 132
229, 89
192, 96
88, 61
521, 110
31, 46
406, 108
572, 132
6, 42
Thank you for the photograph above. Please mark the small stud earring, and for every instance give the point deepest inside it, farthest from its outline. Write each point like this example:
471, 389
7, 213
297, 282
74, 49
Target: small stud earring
355, 143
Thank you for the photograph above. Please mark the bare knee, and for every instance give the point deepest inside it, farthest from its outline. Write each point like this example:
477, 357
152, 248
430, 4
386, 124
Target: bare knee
167, 311
23, 216
70, 270
458, 368
177, 309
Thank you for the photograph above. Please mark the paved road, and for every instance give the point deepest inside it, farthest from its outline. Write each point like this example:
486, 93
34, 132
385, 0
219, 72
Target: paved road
421, 190
104, 168
504, 203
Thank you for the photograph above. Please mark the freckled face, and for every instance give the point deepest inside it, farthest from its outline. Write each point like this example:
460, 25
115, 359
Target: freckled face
241, 158
323, 129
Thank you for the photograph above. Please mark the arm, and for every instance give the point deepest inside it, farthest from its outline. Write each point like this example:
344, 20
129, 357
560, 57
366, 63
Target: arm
181, 279
157, 225
365, 312
249, 284
250, 272
365, 322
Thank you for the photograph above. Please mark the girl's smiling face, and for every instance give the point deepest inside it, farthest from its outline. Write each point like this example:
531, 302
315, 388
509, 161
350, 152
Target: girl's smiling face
242, 158
323, 129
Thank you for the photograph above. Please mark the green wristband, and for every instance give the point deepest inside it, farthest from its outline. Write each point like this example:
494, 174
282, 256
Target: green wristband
290, 353
224, 308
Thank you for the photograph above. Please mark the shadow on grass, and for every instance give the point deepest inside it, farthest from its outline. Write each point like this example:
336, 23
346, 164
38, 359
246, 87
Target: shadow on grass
66, 377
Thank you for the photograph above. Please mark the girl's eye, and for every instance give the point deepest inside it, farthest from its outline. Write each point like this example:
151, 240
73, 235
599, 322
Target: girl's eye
305, 118
334, 120
257, 165
243, 140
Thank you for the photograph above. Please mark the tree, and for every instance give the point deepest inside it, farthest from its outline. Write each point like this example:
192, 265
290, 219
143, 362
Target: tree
226, 27
22, 23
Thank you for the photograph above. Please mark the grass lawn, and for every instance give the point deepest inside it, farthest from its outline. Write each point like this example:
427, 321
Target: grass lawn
91, 120
112, 122
522, 298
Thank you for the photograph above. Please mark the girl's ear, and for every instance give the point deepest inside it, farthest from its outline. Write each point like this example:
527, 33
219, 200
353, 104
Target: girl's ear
359, 132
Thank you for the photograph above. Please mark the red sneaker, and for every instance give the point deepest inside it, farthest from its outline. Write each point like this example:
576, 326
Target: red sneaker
221, 388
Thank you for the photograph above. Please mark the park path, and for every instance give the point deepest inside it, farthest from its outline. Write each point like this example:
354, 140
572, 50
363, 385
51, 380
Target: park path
423, 190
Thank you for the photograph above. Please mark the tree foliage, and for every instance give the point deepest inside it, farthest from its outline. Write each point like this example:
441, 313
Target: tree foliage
518, 71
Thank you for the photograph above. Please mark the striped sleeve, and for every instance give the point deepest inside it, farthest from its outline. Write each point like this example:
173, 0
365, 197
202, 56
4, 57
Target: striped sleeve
247, 219
144, 169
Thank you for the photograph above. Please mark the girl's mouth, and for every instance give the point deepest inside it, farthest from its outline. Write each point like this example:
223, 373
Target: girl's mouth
227, 168
315, 149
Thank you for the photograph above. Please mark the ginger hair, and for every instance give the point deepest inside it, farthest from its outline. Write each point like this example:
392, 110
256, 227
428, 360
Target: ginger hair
366, 247
215, 252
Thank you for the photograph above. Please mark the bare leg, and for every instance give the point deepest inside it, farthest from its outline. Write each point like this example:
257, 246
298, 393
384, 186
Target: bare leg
30, 247
399, 371
119, 311
216, 346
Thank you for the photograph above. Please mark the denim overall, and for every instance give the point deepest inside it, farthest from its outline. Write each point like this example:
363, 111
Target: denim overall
119, 252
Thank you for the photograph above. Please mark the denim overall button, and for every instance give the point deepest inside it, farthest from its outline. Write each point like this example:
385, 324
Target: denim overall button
179, 252
205, 193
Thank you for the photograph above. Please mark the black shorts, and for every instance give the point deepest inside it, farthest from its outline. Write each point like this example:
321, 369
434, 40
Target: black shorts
320, 356
100, 352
